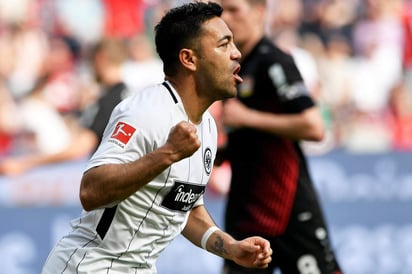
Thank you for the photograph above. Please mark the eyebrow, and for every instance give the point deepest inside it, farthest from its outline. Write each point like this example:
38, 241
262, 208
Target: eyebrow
226, 37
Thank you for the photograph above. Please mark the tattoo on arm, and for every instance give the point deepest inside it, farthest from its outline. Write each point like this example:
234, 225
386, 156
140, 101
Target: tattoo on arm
218, 246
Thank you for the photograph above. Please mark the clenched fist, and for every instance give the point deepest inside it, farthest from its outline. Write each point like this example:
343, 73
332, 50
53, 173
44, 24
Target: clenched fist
183, 140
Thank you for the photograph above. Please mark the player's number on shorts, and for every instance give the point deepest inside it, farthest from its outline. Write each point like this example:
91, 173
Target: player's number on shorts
307, 265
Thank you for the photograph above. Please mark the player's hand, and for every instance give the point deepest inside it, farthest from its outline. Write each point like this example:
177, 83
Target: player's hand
183, 140
252, 252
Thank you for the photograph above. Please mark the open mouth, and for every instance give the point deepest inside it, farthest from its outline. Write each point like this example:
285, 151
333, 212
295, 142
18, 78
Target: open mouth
236, 74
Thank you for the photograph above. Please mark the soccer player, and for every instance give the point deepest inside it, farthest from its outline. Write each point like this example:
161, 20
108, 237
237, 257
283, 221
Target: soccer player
271, 193
145, 183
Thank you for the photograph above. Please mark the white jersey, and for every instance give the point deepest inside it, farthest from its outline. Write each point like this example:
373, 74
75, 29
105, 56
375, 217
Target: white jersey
127, 237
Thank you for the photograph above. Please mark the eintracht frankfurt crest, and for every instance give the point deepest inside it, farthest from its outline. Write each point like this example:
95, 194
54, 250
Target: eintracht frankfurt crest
207, 160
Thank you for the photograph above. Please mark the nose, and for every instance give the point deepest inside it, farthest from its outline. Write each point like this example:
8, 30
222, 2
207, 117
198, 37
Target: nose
236, 54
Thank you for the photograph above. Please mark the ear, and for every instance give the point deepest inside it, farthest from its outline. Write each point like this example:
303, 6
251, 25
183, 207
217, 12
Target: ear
188, 59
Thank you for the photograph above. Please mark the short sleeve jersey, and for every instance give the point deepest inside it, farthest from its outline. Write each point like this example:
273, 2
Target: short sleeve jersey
130, 234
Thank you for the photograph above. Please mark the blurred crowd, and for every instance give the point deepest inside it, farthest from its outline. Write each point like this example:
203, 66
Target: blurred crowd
49, 74
356, 58
354, 55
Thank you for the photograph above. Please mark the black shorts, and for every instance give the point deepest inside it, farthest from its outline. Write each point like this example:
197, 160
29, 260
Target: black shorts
305, 246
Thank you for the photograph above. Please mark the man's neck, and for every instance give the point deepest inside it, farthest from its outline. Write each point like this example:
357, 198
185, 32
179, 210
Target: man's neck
192, 103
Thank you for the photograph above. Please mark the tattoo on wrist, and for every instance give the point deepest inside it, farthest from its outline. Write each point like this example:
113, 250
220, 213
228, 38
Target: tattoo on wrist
218, 246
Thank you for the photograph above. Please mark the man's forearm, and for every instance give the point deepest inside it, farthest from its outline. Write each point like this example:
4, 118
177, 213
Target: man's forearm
112, 183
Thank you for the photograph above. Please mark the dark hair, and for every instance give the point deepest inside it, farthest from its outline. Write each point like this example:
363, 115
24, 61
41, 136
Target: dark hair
179, 27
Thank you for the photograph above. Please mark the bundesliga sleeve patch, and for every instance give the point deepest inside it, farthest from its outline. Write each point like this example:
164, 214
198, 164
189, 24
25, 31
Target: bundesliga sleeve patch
123, 132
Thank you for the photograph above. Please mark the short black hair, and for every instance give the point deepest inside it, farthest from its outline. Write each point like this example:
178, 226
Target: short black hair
179, 27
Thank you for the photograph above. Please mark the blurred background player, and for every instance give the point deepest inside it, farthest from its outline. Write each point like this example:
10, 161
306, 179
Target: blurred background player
271, 193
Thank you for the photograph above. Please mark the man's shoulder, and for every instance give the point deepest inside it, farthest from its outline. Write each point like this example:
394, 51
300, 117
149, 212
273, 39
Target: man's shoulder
150, 96
153, 103
268, 52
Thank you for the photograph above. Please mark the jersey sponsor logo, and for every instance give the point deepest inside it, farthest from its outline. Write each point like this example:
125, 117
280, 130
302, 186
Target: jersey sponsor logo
207, 160
123, 132
183, 196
